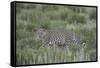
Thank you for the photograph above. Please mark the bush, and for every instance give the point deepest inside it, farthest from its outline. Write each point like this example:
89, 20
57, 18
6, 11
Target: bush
92, 14
77, 18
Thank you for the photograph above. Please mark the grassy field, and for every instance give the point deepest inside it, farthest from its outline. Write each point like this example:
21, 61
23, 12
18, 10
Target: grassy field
29, 17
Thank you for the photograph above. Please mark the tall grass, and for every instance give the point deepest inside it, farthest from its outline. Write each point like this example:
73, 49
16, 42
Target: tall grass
55, 54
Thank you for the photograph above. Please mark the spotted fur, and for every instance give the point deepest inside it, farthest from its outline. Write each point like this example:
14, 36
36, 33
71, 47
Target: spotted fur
57, 37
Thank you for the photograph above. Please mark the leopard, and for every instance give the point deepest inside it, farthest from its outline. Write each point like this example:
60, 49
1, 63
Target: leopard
60, 38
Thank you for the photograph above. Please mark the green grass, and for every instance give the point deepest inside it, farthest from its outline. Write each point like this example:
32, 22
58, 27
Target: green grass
81, 20
44, 55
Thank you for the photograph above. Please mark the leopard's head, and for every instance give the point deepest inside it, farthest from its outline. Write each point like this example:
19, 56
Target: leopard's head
40, 34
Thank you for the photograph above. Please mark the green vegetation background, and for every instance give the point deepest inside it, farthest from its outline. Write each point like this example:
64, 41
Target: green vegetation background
82, 20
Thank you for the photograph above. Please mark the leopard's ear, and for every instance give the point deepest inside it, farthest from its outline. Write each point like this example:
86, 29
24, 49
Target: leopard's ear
40, 30
35, 29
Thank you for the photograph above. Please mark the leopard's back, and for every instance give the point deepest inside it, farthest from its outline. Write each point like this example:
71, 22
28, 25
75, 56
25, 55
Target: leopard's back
58, 38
